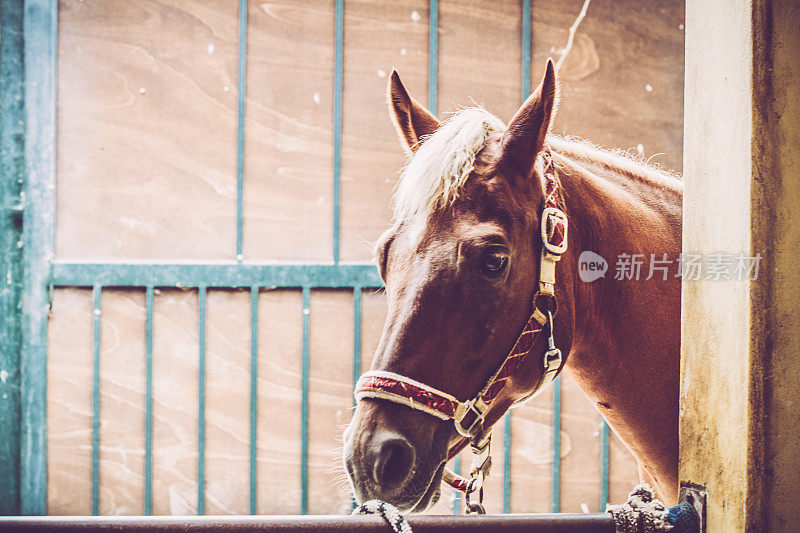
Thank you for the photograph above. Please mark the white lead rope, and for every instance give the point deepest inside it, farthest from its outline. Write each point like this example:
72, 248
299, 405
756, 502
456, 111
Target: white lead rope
389, 512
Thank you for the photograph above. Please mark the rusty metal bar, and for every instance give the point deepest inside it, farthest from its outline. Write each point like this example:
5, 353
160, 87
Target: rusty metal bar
529, 523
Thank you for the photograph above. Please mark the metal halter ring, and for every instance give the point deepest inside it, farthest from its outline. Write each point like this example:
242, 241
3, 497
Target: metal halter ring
474, 506
551, 308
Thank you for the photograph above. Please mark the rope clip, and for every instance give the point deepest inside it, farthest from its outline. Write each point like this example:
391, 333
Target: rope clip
474, 495
552, 357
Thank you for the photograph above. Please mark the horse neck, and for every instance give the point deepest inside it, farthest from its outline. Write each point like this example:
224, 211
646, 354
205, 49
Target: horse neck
625, 348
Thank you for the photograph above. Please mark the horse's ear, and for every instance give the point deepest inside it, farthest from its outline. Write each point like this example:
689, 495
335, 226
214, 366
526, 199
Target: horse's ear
411, 119
524, 138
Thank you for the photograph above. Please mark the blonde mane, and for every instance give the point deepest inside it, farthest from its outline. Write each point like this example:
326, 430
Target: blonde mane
616, 160
432, 178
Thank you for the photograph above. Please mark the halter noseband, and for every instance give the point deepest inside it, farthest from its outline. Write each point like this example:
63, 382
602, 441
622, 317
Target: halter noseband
468, 416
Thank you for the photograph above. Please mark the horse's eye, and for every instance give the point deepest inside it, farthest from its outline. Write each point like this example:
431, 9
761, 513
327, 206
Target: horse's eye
493, 263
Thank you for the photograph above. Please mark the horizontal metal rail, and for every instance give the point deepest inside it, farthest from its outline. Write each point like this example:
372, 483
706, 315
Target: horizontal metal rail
222, 274
530, 523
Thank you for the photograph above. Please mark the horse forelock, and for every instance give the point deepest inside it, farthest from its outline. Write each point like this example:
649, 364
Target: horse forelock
433, 177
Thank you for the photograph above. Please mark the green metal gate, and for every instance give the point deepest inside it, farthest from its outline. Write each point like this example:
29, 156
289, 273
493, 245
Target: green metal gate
28, 105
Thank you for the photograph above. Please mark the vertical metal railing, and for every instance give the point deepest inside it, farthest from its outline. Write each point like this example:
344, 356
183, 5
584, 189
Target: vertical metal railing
433, 107
96, 325
433, 56
356, 335
148, 401
456, 494
201, 399
40, 29
240, 103
338, 60
555, 497
12, 171
254, 291
357, 323
526, 89
305, 367
604, 444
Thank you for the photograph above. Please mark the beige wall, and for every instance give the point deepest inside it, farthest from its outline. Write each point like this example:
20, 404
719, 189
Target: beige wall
740, 367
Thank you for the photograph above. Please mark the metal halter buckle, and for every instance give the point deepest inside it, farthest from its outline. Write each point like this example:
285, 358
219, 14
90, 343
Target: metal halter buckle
550, 217
463, 413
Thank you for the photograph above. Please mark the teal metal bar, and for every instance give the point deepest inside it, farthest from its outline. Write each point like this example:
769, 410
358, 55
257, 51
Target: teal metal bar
12, 171
241, 94
253, 394
215, 275
507, 463
604, 467
338, 56
526, 89
201, 403
304, 404
457, 494
40, 30
356, 336
555, 498
433, 56
526, 49
356, 346
96, 323
148, 402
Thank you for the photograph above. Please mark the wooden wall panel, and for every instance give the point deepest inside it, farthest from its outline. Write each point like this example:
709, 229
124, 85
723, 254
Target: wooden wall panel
146, 130
480, 59
331, 398
122, 402
374, 310
620, 50
622, 470
289, 131
378, 36
175, 402
279, 365
581, 425
227, 402
69, 403
532, 455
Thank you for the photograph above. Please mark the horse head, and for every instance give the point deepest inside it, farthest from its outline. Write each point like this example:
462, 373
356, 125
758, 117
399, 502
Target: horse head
460, 266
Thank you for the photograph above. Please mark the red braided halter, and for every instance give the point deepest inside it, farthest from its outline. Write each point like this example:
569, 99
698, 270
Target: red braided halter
468, 415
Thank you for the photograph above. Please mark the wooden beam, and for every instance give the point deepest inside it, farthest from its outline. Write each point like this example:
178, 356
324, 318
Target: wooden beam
741, 337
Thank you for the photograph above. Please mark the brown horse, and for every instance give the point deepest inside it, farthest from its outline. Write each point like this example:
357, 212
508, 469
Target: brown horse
461, 266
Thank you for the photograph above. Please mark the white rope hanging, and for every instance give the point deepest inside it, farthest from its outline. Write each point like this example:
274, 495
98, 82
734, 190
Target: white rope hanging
389, 513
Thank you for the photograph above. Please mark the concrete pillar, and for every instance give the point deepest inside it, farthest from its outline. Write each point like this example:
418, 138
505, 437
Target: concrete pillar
740, 360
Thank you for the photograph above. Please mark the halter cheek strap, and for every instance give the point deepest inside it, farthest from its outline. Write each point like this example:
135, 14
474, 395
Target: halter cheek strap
468, 416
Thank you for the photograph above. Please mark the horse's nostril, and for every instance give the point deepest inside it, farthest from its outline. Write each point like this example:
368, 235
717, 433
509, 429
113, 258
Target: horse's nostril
394, 463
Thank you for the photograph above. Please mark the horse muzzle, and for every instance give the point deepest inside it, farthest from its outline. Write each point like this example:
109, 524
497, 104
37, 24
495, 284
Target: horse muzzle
391, 454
